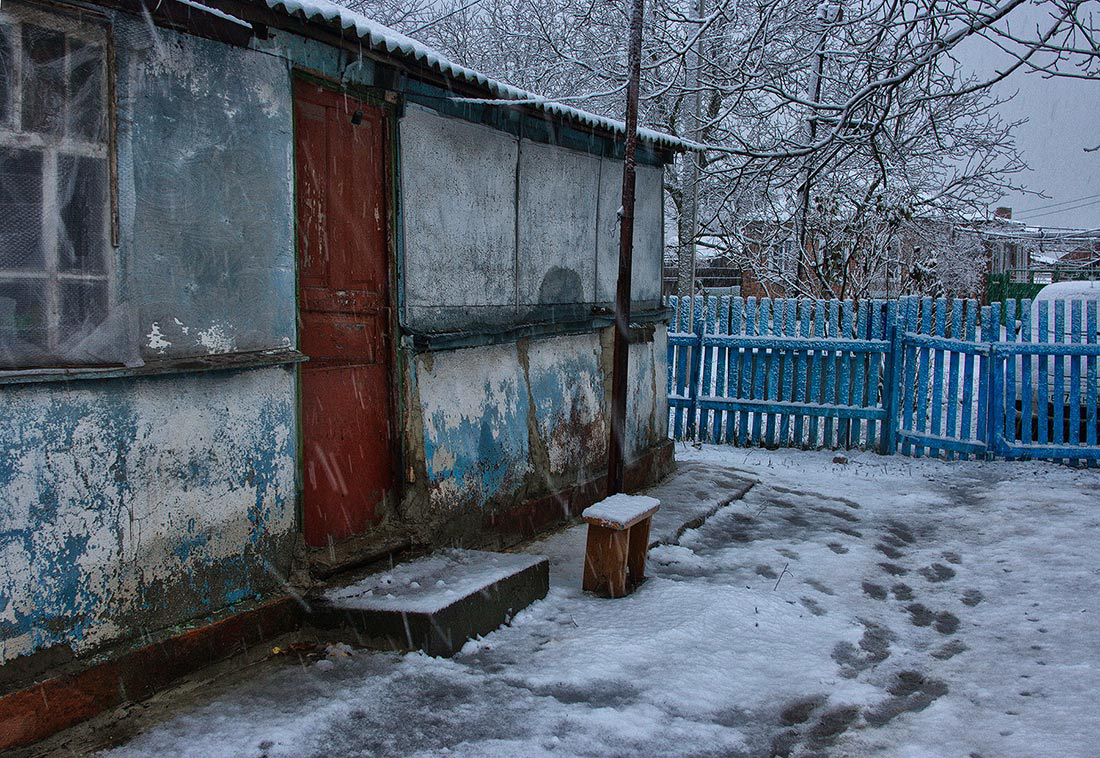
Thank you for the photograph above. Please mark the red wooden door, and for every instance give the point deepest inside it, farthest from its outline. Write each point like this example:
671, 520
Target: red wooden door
343, 302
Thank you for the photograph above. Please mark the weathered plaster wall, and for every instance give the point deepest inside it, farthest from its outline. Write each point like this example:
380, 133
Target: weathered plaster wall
499, 229
645, 280
206, 193
647, 399
565, 379
131, 509
556, 225
475, 408
458, 188
502, 424
130, 505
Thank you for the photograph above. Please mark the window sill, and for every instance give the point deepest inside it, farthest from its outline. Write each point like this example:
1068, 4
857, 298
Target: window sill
641, 320
189, 365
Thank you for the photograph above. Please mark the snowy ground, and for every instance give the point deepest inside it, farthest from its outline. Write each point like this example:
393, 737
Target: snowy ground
888, 606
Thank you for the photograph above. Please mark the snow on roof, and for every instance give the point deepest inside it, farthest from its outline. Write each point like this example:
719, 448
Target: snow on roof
1086, 290
217, 13
393, 42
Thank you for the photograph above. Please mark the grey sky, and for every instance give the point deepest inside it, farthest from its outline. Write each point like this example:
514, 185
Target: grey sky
1063, 118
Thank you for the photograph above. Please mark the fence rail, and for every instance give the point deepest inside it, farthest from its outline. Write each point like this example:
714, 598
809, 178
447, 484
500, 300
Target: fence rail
916, 376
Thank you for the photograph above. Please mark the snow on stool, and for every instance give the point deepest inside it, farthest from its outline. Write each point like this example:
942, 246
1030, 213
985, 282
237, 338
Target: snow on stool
618, 540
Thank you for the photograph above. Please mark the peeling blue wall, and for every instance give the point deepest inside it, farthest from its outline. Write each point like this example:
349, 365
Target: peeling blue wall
131, 505
138, 503
475, 436
502, 422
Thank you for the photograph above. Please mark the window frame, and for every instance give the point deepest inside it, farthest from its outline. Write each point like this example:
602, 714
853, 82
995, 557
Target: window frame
94, 29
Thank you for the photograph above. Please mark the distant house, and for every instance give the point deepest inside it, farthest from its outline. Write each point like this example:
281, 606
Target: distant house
1022, 259
277, 281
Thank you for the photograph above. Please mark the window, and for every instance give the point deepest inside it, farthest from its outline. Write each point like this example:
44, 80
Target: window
56, 266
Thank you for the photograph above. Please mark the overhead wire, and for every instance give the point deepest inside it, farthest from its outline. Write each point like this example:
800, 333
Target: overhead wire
1029, 216
1027, 211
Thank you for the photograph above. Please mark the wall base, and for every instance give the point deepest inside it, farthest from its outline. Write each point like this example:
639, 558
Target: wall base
44, 708
39, 710
534, 516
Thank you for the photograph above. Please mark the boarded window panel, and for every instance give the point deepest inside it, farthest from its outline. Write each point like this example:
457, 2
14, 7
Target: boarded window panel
43, 84
86, 112
81, 192
20, 209
83, 306
23, 321
7, 75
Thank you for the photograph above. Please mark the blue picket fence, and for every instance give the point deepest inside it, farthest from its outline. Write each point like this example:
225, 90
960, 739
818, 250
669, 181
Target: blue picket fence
916, 375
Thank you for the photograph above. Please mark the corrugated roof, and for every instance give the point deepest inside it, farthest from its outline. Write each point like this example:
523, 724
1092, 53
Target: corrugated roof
381, 37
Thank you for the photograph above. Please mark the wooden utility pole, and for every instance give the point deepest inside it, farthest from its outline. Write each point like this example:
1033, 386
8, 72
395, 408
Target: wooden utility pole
828, 13
686, 255
626, 250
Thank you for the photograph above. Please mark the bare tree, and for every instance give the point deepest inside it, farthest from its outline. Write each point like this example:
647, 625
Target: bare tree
842, 125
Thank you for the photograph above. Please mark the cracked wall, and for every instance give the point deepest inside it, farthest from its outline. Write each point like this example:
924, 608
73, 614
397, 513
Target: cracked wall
130, 505
503, 424
146, 505
500, 229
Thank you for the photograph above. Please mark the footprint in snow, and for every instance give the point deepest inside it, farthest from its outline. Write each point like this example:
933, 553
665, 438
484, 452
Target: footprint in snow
889, 552
876, 591
972, 597
937, 573
902, 591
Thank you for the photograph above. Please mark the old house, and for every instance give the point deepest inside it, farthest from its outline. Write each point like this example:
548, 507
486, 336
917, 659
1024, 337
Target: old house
283, 289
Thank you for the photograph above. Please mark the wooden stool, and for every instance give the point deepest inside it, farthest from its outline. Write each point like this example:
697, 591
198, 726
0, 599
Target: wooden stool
618, 540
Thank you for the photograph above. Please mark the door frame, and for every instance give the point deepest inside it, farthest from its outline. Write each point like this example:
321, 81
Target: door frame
391, 110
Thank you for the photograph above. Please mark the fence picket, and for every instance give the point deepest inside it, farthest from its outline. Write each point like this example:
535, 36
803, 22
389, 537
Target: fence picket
705, 388
968, 421
1075, 376
981, 420
1057, 391
771, 391
671, 303
844, 373
859, 380
1091, 379
937, 374
1026, 361
815, 392
909, 359
733, 386
720, 362
882, 317
1008, 397
747, 369
995, 410
786, 390
802, 371
922, 374
682, 327
759, 371
951, 428
1044, 378
832, 328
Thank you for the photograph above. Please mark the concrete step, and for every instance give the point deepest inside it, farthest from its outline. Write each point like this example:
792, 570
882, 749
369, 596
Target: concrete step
435, 603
